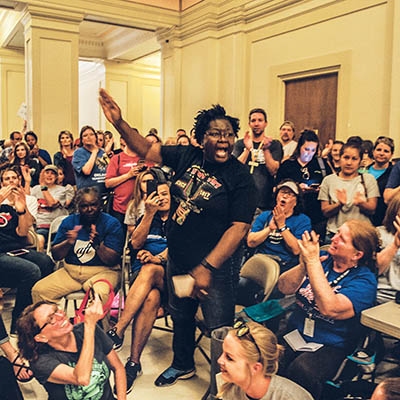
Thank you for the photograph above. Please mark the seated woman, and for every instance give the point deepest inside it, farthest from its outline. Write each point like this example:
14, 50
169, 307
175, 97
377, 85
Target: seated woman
90, 242
249, 363
71, 362
330, 296
388, 260
144, 297
53, 201
276, 232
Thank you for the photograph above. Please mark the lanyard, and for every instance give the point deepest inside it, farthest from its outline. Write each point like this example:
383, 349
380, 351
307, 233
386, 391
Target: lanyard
340, 277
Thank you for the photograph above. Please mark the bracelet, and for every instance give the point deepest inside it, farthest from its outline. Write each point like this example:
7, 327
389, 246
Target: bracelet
163, 260
207, 265
44, 188
283, 229
21, 212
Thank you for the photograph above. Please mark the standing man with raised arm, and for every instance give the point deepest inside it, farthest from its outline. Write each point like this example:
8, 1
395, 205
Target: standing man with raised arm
212, 207
262, 154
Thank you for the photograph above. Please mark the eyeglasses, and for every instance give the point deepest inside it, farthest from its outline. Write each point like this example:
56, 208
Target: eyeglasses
288, 193
52, 318
217, 134
306, 173
243, 330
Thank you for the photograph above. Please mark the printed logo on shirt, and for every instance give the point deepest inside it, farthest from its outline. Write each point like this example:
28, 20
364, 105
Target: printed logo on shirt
84, 251
4, 218
95, 389
196, 187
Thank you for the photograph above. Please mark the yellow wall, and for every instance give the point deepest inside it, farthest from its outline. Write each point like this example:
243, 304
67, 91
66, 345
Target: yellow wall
12, 84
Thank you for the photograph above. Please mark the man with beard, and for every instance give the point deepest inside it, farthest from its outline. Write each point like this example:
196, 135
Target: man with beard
90, 242
262, 154
286, 133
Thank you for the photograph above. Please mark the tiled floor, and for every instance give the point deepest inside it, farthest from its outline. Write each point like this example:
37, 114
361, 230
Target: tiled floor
156, 357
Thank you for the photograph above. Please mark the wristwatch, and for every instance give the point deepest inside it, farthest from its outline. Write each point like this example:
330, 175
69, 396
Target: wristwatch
44, 188
21, 212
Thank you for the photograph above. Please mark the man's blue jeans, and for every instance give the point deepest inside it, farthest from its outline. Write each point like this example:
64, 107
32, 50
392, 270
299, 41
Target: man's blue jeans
218, 309
22, 272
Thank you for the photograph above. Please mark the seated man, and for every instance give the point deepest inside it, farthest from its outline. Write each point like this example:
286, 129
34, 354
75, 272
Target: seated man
144, 297
24, 270
90, 242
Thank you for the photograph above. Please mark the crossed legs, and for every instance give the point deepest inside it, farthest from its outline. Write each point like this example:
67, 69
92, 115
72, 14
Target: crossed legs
142, 304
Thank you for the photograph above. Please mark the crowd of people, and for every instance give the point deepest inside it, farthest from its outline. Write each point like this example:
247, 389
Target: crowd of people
199, 206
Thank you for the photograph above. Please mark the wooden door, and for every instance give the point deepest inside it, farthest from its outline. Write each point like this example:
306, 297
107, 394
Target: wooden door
311, 103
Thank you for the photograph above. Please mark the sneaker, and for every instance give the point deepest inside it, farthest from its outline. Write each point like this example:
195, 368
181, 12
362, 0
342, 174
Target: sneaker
171, 375
112, 334
132, 370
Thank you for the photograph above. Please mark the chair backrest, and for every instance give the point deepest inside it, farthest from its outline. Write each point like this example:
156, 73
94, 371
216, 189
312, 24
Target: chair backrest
55, 224
33, 239
263, 270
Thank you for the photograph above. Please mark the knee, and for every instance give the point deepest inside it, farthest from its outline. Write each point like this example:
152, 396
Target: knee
37, 291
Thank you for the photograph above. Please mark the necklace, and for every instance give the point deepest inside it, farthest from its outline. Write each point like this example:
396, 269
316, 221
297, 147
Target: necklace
254, 155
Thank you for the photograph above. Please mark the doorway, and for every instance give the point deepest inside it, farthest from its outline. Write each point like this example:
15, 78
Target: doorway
311, 102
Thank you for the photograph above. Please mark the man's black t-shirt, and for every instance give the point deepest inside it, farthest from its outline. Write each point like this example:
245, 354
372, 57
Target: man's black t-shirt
263, 180
210, 196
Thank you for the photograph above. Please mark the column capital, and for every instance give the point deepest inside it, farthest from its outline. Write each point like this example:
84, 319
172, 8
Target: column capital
52, 19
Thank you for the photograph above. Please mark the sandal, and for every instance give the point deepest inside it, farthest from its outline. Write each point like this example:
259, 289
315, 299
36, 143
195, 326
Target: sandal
21, 368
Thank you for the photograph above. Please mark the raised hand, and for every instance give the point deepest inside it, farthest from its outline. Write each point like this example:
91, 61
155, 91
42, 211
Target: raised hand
110, 108
341, 195
309, 248
248, 141
72, 235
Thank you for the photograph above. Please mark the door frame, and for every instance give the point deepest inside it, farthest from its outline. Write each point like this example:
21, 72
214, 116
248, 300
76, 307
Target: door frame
280, 74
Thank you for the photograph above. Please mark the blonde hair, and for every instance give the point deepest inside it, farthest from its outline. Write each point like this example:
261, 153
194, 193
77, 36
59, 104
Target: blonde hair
267, 351
138, 195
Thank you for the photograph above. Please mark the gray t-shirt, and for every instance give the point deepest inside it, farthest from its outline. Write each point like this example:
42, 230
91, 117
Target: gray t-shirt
327, 192
280, 388
389, 281
46, 214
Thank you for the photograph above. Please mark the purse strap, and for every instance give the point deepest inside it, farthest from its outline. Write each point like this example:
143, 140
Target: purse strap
106, 306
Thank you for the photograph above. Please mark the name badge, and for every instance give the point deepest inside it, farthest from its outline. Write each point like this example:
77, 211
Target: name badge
309, 326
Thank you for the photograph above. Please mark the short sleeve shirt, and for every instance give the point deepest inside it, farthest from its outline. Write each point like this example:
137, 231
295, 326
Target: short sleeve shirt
99, 386
211, 195
98, 175
82, 253
359, 286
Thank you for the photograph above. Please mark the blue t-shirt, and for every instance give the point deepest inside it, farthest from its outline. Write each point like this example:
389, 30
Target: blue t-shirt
98, 175
109, 231
156, 240
275, 244
394, 177
359, 286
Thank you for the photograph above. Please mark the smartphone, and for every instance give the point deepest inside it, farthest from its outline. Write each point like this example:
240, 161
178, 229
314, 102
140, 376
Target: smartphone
17, 252
314, 186
151, 186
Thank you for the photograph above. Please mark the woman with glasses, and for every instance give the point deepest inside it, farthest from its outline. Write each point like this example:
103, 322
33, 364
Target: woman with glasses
249, 363
349, 194
380, 170
71, 362
308, 170
276, 232
331, 292
212, 205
